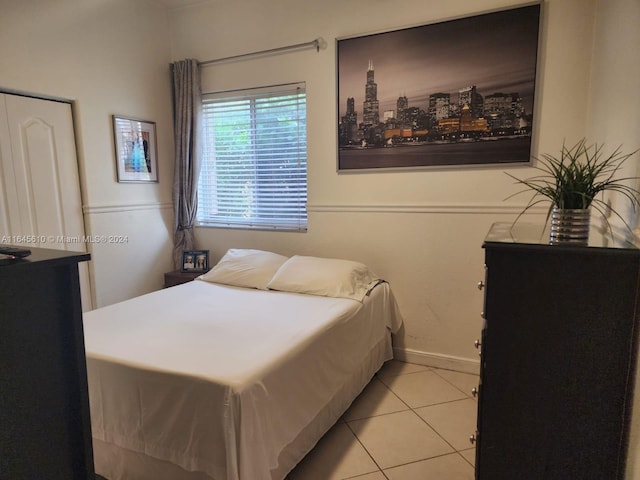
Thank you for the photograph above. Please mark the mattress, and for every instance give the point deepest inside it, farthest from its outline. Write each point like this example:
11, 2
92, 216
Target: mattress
225, 382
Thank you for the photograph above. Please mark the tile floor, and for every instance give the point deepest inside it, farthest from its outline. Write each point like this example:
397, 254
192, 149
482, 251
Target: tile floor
410, 423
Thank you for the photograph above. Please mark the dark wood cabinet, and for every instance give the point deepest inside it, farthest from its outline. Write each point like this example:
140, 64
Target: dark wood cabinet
178, 277
45, 429
558, 356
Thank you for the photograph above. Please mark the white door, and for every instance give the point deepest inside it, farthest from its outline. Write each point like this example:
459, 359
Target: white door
40, 201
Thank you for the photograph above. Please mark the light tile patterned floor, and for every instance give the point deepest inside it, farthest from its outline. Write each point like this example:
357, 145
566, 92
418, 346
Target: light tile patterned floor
410, 423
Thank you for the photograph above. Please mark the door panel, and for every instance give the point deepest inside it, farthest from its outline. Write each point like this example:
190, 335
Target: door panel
46, 171
8, 195
40, 176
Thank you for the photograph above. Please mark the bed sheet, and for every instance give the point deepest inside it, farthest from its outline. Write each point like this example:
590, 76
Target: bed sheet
221, 379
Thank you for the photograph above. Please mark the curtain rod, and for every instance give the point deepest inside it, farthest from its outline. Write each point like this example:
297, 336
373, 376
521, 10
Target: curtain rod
318, 43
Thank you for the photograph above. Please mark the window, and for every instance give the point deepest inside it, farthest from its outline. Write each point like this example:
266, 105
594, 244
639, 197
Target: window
254, 165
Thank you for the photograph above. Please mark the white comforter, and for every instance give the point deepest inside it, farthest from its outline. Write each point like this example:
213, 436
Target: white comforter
221, 379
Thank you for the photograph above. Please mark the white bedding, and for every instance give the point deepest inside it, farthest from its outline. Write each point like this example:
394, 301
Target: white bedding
232, 382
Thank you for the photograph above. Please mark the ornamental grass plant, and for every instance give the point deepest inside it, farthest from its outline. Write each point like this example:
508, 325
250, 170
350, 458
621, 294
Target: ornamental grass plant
574, 179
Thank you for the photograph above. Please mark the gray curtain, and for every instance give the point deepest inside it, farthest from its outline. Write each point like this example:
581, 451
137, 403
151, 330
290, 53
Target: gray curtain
186, 121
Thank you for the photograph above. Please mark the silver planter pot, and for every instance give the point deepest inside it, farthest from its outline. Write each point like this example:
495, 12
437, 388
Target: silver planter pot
570, 226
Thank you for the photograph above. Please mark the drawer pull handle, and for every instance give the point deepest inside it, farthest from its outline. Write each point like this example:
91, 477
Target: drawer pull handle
473, 439
477, 344
480, 285
474, 391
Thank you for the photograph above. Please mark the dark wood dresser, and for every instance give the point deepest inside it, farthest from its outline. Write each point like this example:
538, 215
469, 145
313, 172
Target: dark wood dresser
558, 356
45, 429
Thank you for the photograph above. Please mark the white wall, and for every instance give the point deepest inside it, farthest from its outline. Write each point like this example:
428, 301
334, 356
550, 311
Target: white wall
614, 117
421, 230
108, 57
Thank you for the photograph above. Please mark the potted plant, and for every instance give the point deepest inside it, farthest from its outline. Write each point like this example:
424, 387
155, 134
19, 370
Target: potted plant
571, 183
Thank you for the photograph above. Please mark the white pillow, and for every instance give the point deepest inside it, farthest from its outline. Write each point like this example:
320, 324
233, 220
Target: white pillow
245, 268
329, 277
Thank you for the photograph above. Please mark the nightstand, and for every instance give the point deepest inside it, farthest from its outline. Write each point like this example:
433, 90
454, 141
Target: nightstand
177, 277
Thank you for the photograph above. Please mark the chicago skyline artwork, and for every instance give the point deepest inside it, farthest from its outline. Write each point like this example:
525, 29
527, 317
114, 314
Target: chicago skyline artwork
459, 92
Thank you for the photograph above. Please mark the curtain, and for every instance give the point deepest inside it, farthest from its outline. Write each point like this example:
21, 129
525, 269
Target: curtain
186, 121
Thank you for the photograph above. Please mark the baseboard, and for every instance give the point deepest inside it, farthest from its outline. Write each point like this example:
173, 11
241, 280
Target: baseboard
438, 360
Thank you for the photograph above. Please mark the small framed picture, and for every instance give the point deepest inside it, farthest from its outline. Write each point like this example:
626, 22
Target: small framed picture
195, 261
135, 144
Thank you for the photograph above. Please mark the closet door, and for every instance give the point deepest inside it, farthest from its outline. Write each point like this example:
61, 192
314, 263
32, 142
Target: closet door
41, 205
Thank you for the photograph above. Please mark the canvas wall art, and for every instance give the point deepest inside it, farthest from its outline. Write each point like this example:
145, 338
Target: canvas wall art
453, 93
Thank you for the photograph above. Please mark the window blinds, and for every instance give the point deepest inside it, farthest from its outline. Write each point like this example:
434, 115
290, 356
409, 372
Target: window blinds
254, 169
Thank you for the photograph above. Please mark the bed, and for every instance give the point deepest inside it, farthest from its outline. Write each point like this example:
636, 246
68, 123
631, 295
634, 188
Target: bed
238, 374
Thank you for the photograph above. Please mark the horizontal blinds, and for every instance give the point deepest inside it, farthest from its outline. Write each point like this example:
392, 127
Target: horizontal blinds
254, 171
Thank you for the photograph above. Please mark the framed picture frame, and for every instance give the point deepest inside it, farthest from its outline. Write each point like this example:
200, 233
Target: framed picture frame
195, 261
457, 93
136, 151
